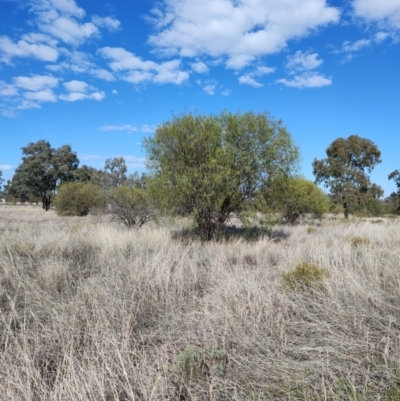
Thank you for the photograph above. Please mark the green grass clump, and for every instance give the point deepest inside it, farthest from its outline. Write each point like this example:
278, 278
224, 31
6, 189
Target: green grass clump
305, 274
311, 230
359, 241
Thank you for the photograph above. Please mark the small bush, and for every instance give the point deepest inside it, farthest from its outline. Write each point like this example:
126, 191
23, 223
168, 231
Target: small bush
130, 206
77, 198
305, 275
311, 230
359, 241
190, 364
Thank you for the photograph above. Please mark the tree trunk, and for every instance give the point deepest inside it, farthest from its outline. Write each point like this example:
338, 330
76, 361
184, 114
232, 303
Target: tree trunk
346, 209
46, 201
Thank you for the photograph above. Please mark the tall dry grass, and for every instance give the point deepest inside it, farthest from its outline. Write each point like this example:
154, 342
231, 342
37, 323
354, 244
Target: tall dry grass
92, 311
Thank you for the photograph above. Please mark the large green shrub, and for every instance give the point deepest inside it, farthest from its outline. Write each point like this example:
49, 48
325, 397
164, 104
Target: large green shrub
77, 198
293, 196
211, 166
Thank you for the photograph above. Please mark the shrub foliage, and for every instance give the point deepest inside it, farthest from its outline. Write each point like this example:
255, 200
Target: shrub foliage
211, 166
77, 198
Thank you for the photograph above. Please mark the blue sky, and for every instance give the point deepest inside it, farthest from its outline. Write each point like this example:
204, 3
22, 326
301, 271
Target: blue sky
102, 75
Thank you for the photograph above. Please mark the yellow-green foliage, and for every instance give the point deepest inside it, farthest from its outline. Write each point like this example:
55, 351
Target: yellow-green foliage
305, 274
77, 198
359, 241
293, 196
311, 230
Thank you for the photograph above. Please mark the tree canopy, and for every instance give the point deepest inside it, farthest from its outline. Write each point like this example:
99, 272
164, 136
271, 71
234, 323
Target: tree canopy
43, 168
346, 171
210, 166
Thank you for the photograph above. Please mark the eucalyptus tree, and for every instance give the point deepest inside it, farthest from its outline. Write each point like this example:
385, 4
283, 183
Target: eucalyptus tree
346, 171
43, 168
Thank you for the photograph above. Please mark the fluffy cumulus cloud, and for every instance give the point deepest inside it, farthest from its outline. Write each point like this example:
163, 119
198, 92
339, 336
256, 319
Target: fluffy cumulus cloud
135, 70
385, 12
240, 31
36, 82
62, 19
200, 67
22, 48
80, 90
301, 66
209, 89
301, 61
55, 22
249, 78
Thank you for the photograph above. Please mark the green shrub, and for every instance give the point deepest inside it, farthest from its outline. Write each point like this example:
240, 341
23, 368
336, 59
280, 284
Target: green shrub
77, 198
359, 241
293, 196
311, 230
305, 274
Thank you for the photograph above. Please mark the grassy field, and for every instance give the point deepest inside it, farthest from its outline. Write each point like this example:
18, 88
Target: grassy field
92, 311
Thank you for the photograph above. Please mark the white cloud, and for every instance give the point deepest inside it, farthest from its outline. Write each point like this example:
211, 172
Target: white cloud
248, 80
356, 46
114, 92
226, 92
76, 86
10, 49
381, 36
88, 157
385, 12
101, 73
62, 20
7, 89
106, 22
301, 61
263, 70
135, 162
149, 129
78, 90
35, 37
6, 167
200, 67
306, 80
36, 82
140, 71
209, 89
75, 96
68, 7
126, 128
45, 95
240, 31
69, 30
28, 104
7, 112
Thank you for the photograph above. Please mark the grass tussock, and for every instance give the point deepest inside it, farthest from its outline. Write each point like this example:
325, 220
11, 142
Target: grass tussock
92, 311
358, 241
305, 274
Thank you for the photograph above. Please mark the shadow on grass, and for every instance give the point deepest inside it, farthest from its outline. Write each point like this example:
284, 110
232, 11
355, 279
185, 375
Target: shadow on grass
232, 233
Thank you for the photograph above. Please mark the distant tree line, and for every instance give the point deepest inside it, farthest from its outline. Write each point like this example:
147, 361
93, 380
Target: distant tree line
207, 167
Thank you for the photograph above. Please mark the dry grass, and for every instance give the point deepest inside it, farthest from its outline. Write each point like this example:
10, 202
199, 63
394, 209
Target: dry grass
92, 311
